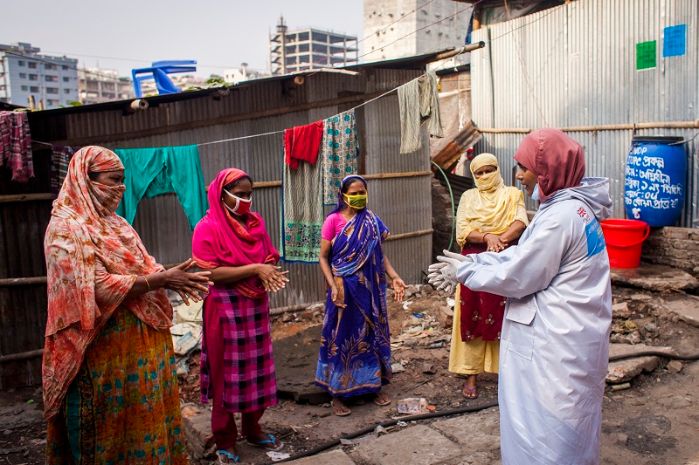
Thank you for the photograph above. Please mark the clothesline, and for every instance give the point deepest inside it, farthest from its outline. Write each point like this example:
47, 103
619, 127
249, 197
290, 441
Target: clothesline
250, 136
282, 131
271, 132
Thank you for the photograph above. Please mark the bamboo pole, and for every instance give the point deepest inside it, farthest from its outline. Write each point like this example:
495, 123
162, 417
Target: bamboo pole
19, 356
409, 235
405, 174
29, 281
14, 198
604, 127
398, 175
267, 184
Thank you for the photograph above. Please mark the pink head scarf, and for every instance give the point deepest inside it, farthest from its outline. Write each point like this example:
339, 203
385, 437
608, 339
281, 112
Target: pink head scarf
558, 160
220, 240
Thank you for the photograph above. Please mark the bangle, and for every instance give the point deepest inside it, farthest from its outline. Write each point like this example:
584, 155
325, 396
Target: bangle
147, 283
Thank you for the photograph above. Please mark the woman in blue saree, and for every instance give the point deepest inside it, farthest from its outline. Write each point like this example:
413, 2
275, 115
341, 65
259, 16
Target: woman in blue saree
355, 352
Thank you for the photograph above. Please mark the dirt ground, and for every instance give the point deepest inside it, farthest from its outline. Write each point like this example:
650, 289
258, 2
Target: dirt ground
655, 422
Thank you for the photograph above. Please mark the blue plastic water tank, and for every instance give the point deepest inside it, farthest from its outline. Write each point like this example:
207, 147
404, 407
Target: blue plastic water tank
654, 185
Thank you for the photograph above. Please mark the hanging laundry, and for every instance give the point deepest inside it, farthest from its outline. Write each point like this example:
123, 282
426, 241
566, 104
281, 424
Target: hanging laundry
301, 144
302, 212
16, 145
161, 170
339, 153
60, 158
418, 102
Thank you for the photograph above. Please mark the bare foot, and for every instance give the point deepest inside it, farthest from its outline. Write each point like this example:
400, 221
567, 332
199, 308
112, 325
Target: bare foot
382, 399
339, 408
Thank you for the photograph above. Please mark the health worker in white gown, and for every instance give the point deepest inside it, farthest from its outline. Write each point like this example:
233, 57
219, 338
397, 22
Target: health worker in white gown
555, 336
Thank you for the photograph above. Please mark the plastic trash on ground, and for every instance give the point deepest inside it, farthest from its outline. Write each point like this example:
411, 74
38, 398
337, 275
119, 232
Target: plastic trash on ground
277, 456
412, 405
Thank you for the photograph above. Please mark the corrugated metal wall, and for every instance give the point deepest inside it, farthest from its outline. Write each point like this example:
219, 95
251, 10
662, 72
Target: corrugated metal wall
163, 226
269, 105
574, 65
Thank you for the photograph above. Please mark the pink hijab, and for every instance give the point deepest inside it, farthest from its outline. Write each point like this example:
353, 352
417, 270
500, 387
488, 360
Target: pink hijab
558, 160
220, 240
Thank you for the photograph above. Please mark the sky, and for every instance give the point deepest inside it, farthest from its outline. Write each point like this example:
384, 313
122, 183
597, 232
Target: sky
128, 34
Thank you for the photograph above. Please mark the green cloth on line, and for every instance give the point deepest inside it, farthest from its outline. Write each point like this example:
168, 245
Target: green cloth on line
161, 170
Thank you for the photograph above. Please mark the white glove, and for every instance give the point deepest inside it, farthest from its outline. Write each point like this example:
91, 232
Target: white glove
443, 274
437, 279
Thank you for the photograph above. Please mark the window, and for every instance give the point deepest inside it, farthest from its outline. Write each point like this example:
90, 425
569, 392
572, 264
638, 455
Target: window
321, 60
34, 89
21, 63
66, 91
50, 66
50, 78
66, 79
31, 65
33, 77
23, 75
51, 103
24, 88
51, 90
64, 67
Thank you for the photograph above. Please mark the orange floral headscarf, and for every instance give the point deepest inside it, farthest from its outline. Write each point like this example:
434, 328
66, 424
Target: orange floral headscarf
93, 258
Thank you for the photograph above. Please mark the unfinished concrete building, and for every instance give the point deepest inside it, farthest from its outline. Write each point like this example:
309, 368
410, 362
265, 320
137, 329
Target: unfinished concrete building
306, 49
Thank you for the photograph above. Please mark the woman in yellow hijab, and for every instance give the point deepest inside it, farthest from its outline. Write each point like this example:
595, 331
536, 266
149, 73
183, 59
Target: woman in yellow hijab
490, 218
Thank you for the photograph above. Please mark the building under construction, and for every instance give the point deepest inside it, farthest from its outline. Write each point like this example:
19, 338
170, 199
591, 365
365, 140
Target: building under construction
307, 49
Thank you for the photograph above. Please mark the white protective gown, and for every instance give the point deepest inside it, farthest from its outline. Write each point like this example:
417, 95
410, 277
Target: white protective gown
555, 336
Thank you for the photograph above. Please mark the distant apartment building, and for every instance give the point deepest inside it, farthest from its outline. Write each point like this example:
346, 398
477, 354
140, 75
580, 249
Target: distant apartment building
306, 49
97, 85
400, 28
25, 75
243, 73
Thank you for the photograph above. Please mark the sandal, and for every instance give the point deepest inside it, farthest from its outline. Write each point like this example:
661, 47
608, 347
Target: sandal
271, 443
382, 403
470, 392
340, 413
226, 457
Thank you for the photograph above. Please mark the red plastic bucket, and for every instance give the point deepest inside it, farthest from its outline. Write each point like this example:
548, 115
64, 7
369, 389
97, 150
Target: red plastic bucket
624, 239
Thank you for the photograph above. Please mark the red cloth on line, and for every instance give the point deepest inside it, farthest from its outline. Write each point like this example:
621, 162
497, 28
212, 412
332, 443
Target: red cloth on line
302, 143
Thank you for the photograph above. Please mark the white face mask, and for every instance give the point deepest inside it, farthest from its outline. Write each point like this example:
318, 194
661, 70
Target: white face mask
242, 206
536, 195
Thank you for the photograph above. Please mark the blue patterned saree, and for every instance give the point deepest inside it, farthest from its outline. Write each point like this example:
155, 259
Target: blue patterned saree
355, 351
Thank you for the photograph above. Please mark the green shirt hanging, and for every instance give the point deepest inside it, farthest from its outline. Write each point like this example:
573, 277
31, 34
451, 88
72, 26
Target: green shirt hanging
161, 170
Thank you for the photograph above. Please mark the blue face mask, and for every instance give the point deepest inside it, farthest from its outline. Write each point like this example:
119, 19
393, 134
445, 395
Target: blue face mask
536, 195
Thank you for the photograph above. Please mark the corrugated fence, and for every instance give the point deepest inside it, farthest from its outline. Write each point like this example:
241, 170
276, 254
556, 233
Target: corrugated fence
399, 185
574, 67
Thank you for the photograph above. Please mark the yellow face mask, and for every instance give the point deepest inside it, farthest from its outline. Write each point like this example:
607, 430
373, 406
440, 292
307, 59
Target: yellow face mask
489, 182
357, 201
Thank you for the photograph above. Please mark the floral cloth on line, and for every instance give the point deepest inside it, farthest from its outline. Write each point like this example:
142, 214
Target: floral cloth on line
16, 145
339, 152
